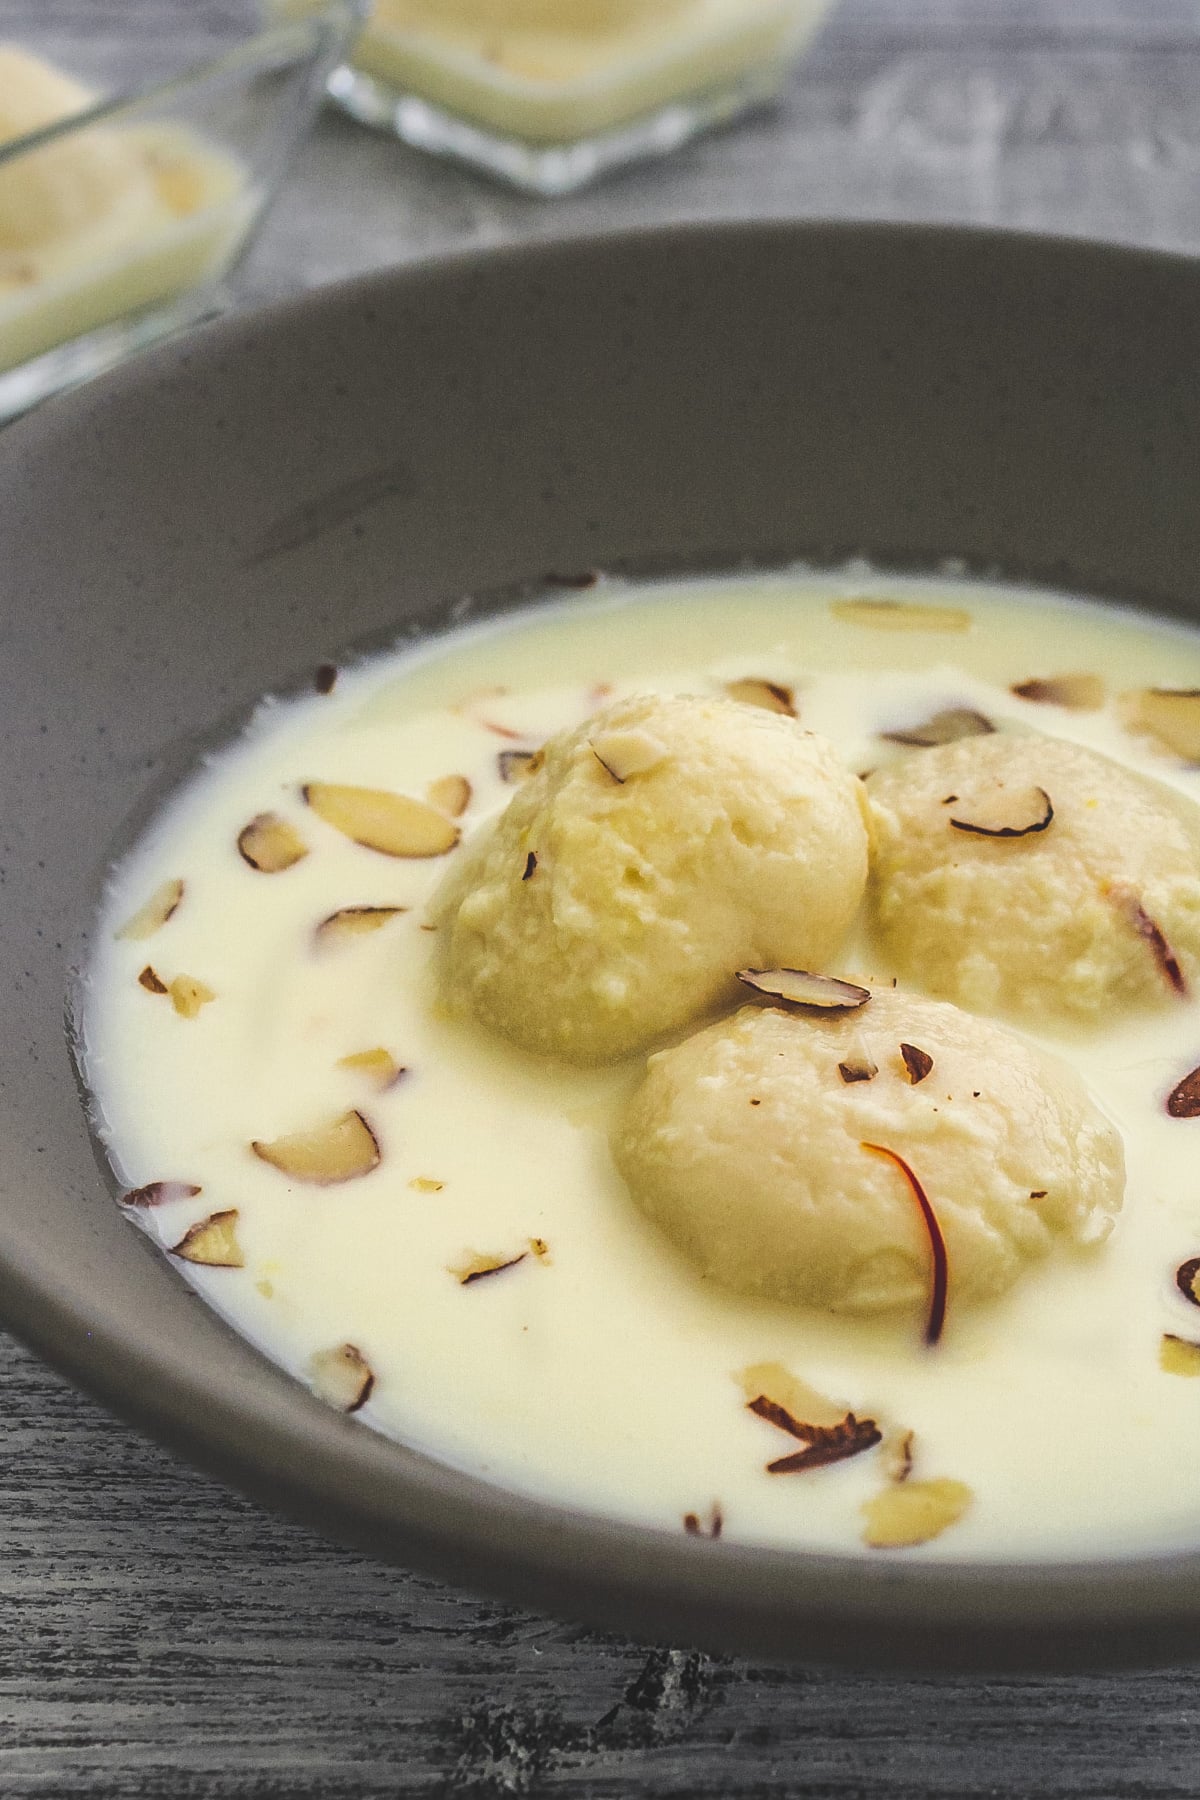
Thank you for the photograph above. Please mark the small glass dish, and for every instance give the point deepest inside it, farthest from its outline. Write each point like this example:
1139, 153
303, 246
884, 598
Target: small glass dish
548, 105
123, 221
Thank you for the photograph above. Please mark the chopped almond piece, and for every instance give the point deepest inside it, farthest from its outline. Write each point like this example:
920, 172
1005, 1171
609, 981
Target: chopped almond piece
627, 752
426, 1184
355, 921
897, 1454
858, 1068
343, 1150
270, 844
212, 1242
918, 1063
188, 995
914, 1512
342, 1377
1172, 715
476, 1266
540, 1248
772, 696
1186, 1279
773, 1382
798, 988
901, 615
516, 765
945, 727
1078, 693
392, 824
1178, 1356
379, 1066
162, 905
1008, 813
160, 1193
450, 794
152, 981
1183, 1102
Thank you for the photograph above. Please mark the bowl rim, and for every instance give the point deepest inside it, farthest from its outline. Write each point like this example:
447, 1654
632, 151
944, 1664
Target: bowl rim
875, 1611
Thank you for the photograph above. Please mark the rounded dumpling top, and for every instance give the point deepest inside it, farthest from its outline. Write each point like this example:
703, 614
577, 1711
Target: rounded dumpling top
71, 184
1026, 874
748, 1145
657, 849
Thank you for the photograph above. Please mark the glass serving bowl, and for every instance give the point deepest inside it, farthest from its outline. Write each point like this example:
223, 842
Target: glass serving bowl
549, 94
124, 221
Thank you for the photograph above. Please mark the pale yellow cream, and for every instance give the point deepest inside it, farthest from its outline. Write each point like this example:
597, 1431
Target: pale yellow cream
600, 1370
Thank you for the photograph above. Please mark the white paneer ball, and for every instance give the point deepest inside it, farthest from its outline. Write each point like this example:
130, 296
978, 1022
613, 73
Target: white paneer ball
747, 1145
1094, 911
657, 849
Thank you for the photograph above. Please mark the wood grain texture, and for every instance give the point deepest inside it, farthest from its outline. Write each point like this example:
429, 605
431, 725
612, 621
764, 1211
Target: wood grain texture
165, 1638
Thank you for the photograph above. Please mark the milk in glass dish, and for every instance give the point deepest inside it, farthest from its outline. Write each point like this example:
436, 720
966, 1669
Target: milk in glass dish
721, 1055
549, 93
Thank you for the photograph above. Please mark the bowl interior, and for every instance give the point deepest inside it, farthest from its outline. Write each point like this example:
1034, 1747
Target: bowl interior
221, 516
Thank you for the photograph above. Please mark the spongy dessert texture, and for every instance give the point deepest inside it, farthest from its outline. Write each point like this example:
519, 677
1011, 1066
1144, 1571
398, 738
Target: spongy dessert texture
67, 186
745, 1144
1044, 924
736, 839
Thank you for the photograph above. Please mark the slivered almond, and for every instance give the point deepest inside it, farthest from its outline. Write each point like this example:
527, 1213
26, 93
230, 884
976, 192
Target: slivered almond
1186, 1279
379, 1066
478, 1265
450, 794
270, 844
945, 727
628, 751
392, 824
426, 1184
1007, 813
517, 765
1178, 1356
160, 1193
901, 615
342, 1150
897, 1455
774, 1382
1171, 715
188, 995
152, 981
355, 921
772, 696
917, 1063
213, 1242
1078, 693
797, 987
914, 1512
161, 906
342, 1377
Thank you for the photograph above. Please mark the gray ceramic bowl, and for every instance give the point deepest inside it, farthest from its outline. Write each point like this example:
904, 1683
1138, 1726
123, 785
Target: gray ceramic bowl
224, 514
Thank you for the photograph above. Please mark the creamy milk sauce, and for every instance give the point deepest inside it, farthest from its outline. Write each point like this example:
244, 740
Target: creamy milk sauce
602, 1375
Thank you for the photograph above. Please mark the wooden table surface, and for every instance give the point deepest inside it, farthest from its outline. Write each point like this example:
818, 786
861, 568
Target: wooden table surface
165, 1637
